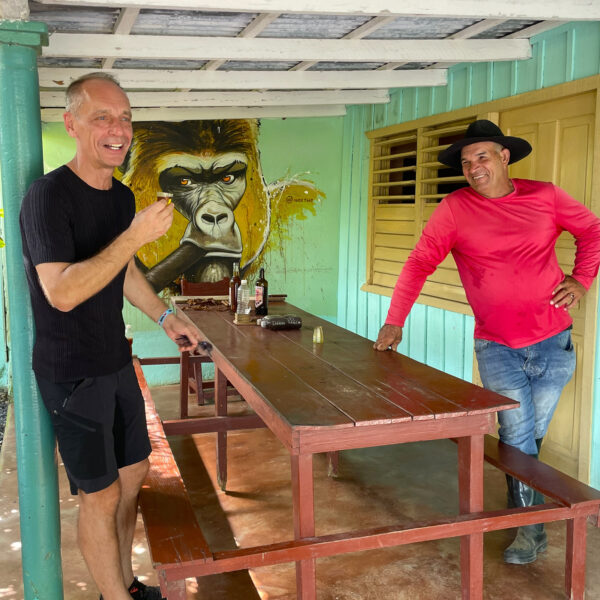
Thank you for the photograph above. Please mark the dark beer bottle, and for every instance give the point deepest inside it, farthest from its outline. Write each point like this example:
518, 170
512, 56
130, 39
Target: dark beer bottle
261, 290
234, 284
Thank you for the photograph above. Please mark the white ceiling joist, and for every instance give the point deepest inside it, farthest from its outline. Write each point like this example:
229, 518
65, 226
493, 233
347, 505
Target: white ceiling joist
268, 49
50, 115
140, 79
124, 25
258, 25
466, 33
538, 10
360, 32
187, 99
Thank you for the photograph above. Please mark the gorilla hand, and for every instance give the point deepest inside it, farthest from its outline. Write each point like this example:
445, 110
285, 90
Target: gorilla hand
152, 222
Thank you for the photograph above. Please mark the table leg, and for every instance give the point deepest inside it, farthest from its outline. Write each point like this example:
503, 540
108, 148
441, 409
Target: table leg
333, 463
221, 411
304, 522
173, 590
470, 485
184, 366
575, 564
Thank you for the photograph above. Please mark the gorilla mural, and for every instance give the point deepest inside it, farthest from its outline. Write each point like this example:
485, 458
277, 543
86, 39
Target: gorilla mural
223, 206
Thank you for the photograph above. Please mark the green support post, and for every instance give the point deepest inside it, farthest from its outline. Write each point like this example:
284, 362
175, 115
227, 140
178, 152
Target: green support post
20, 163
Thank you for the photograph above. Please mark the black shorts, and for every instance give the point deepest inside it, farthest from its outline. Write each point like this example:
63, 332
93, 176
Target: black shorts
100, 425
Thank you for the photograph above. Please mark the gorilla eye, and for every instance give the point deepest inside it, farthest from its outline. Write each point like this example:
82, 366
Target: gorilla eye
228, 178
185, 181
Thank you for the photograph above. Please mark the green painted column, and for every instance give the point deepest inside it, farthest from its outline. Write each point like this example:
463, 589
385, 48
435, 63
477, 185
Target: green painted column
20, 163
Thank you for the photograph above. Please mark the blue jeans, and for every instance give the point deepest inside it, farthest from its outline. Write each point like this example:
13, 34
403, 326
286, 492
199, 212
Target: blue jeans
534, 376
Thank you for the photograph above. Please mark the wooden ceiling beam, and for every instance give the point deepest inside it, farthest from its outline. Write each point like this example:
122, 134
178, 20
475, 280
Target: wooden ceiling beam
537, 10
151, 79
162, 47
50, 115
195, 99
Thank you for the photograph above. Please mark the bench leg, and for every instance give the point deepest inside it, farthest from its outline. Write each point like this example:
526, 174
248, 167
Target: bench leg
470, 485
172, 590
575, 563
184, 367
304, 522
221, 411
197, 368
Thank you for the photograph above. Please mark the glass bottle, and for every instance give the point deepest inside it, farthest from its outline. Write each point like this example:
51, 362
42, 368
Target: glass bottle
243, 299
261, 294
234, 284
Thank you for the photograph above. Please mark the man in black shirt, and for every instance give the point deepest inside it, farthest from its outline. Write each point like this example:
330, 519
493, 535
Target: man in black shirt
80, 234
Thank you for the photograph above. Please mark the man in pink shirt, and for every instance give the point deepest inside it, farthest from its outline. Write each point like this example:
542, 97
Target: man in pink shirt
502, 234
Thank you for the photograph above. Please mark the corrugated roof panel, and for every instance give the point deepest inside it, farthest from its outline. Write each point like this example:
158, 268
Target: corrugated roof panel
345, 66
312, 26
75, 63
413, 66
504, 29
416, 28
136, 63
65, 19
190, 22
238, 65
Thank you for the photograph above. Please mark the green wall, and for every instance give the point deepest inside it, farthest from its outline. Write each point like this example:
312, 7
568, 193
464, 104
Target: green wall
441, 338
305, 265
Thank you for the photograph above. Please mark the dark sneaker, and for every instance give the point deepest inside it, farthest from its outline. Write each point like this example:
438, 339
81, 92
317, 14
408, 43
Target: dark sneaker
140, 591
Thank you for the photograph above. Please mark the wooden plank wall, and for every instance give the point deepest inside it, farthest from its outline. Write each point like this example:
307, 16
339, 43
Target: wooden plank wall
441, 338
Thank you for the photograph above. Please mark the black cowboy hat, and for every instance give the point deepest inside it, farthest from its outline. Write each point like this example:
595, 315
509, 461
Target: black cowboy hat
484, 131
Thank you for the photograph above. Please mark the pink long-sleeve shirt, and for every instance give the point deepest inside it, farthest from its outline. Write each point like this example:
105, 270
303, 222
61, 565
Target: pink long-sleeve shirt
504, 252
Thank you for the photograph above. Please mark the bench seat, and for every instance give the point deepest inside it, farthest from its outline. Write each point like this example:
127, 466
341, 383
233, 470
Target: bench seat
547, 480
173, 533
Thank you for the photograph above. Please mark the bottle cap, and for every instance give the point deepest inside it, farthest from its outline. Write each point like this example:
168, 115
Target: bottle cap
244, 281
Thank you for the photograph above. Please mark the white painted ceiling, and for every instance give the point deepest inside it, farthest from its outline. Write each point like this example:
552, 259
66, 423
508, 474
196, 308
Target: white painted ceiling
184, 59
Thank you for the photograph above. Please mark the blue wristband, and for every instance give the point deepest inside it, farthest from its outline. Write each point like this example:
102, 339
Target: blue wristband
162, 317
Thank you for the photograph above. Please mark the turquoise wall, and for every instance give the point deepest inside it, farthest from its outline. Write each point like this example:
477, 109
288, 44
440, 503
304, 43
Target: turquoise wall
304, 266
441, 338
4, 330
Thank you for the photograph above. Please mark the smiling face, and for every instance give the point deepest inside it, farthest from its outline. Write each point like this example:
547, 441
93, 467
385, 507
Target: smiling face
485, 166
101, 125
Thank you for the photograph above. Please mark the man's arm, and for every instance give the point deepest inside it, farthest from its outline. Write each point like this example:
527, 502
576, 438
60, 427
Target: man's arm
141, 294
66, 285
433, 246
584, 225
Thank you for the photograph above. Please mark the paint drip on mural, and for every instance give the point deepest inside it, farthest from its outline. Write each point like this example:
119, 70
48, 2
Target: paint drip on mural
225, 211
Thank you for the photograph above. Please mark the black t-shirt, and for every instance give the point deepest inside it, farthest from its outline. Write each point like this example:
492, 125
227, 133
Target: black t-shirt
65, 220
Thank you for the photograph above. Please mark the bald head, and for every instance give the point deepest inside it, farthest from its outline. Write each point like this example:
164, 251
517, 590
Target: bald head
75, 91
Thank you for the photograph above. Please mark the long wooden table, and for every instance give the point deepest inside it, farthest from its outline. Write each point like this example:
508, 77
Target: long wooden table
342, 394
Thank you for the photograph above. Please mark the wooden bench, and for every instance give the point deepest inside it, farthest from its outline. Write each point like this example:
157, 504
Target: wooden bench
174, 535
583, 500
179, 549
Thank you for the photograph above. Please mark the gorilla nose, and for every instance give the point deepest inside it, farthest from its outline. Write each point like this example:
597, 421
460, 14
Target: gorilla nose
211, 219
214, 220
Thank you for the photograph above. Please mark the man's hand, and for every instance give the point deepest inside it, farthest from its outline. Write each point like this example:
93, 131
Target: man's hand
389, 337
185, 335
567, 293
152, 222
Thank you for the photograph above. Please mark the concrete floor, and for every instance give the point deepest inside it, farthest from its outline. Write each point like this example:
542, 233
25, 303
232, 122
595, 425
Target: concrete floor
376, 486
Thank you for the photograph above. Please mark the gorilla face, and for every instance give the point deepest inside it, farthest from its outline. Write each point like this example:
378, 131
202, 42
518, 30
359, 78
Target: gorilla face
206, 189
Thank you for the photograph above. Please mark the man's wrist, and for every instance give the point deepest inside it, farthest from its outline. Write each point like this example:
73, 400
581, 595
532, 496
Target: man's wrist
161, 319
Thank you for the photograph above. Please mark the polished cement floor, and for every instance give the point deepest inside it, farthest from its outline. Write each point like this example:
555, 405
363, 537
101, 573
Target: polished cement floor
377, 486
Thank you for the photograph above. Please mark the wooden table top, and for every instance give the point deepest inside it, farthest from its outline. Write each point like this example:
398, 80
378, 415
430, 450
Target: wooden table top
340, 383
